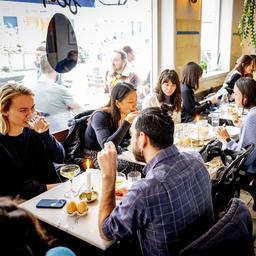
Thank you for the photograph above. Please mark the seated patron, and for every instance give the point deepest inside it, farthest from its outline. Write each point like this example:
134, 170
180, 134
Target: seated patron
245, 97
168, 208
55, 100
112, 122
167, 91
120, 71
243, 68
190, 83
68, 63
22, 234
26, 153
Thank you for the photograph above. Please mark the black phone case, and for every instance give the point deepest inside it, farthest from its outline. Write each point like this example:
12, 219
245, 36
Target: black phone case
51, 203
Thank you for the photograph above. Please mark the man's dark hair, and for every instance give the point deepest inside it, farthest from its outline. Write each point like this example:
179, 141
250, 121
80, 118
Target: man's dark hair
122, 54
127, 49
158, 125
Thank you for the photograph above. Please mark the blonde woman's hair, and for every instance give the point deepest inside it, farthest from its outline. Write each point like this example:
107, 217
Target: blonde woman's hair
7, 93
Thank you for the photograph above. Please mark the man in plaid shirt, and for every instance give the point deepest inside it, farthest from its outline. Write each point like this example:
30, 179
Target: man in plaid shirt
168, 208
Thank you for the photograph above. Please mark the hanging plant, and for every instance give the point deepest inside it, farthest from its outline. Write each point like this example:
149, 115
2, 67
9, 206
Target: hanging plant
246, 28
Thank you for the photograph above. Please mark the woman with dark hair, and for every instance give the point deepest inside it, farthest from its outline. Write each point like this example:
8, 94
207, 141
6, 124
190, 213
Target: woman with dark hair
243, 68
167, 91
245, 97
112, 122
22, 234
190, 83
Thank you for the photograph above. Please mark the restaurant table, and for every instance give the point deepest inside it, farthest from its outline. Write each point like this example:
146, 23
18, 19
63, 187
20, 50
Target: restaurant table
83, 227
185, 134
211, 166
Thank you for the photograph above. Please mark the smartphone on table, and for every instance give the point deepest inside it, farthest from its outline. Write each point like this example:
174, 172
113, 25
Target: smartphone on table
51, 203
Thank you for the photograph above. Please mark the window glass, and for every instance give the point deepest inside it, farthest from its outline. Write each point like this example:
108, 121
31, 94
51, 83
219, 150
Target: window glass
99, 30
210, 33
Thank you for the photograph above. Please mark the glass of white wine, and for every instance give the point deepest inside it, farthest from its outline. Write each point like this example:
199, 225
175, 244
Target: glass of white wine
69, 171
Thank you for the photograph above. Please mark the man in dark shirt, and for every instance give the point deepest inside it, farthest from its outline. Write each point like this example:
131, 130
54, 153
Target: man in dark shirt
68, 63
172, 205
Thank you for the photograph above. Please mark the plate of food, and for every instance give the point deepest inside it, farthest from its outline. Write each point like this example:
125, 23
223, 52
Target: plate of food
89, 197
79, 209
232, 130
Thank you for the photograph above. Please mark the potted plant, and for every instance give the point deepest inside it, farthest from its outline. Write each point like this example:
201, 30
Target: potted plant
246, 27
203, 65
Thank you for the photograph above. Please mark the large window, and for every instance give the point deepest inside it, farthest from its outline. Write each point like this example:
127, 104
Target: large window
210, 33
99, 30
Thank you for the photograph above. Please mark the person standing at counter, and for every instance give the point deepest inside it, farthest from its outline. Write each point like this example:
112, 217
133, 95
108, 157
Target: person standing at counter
190, 83
27, 152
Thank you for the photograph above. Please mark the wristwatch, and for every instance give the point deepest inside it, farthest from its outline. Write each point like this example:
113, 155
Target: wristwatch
228, 139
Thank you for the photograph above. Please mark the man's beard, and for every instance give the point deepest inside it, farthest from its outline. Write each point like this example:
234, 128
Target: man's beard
138, 154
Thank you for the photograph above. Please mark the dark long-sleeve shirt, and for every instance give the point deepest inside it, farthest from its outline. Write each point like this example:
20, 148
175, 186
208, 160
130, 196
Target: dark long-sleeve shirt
26, 163
190, 107
230, 83
101, 130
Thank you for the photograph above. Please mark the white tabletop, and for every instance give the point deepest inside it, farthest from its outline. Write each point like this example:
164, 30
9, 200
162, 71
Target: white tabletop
211, 166
84, 227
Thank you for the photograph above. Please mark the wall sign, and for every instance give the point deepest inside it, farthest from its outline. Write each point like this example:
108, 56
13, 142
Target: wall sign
71, 4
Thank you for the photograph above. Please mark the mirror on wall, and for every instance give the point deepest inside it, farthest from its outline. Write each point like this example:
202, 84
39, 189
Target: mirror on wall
61, 44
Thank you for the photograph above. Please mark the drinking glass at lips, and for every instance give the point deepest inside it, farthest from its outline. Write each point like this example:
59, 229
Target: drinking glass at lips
38, 122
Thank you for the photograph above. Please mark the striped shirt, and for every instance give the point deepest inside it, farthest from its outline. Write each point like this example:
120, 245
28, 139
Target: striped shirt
169, 208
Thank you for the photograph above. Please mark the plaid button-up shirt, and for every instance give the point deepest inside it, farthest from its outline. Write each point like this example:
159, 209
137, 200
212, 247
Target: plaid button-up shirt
169, 208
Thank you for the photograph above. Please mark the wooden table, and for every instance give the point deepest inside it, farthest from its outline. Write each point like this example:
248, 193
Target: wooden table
85, 227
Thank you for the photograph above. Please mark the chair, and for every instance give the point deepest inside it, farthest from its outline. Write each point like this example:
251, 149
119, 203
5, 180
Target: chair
75, 138
231, 235
227, 185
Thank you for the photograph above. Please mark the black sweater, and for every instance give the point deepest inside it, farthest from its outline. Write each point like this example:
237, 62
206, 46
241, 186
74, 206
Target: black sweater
101, 129
190, 107
26, 163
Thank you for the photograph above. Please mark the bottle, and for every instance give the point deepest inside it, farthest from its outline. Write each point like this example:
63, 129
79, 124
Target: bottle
224, 102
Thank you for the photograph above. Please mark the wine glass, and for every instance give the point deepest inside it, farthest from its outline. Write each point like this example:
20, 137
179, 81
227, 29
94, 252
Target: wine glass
69, 171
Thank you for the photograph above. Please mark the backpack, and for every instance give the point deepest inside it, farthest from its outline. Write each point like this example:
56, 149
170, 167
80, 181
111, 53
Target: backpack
74, 142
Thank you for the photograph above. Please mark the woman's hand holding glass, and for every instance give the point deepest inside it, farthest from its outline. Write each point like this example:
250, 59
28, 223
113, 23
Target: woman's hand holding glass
38, 122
